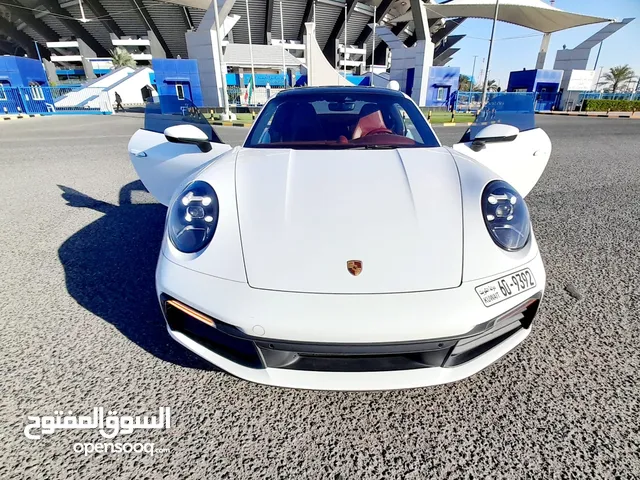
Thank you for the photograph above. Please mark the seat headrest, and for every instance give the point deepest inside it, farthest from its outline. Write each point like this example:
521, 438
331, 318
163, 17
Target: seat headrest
368, 109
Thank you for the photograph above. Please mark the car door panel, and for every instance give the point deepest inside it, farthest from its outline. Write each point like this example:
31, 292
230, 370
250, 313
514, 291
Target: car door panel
520, 161
162, 165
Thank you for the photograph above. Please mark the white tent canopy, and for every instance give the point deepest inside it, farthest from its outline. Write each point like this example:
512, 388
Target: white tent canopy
534, 14
264, 56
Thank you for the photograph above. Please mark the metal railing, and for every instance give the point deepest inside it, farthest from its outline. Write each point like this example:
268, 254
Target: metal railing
608, 96
40, 100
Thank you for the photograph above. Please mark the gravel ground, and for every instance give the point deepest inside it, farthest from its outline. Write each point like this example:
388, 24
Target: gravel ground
80, 328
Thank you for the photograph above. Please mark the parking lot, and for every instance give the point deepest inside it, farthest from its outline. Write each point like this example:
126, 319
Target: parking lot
81, 328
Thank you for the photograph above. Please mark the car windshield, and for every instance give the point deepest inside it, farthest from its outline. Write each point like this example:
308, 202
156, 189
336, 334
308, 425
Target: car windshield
510, 108
166, 111
341, 120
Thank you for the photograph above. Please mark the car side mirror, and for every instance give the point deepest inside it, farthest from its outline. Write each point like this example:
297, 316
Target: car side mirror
189, 134
498, 132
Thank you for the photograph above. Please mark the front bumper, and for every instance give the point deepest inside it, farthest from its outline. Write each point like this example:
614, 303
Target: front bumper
237, 333
354, 381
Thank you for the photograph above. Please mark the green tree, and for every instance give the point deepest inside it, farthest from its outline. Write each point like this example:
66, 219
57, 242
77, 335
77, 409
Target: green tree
121, 58
617, 76
464, 83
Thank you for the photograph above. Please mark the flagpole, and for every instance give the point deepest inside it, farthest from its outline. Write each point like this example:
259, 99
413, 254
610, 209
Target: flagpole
284, 64
253, 72
473, 73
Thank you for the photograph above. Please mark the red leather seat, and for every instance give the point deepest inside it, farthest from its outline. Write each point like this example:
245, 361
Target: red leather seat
368, 124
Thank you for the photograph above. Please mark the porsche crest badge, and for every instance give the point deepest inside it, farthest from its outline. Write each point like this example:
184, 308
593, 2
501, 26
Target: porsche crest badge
354, 267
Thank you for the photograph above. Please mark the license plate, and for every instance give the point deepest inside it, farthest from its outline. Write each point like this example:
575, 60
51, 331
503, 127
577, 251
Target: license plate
505, 287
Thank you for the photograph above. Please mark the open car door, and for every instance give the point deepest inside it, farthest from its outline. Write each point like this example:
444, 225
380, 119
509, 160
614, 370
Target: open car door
175, 142
504, 138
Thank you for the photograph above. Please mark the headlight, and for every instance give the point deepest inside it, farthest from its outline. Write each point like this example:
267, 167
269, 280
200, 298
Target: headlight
506, 215
193, 217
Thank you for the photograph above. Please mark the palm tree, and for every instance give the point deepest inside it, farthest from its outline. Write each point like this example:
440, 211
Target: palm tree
616, 76
464, 83
121, 58
492, 86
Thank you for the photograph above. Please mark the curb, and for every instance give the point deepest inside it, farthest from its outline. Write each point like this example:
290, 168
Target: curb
11, 117
595, 115
230, 124
451, 124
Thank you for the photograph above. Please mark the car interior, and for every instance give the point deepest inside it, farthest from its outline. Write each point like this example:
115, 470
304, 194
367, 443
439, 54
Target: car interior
300, 122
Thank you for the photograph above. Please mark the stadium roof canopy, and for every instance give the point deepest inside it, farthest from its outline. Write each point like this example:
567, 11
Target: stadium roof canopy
24, 21
534, 14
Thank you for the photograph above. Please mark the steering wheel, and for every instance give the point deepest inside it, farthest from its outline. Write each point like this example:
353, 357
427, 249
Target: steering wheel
378, 131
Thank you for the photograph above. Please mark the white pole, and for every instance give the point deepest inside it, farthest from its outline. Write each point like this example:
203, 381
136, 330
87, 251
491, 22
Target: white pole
83, 20
473, 72
599, 75
486, 75
223, 75
284, 65
344, 57
253, 72
373, 44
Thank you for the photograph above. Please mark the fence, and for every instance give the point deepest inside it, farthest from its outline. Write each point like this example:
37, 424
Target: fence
608, 96
258, 96
40, 100
544, 101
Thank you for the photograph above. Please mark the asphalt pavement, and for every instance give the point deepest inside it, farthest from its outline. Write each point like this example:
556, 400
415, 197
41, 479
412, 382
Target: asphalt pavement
80, 328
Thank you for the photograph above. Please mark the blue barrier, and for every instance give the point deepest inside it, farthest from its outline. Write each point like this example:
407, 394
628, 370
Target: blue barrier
40, 100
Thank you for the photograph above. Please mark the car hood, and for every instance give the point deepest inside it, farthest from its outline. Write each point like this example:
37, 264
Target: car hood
305, 214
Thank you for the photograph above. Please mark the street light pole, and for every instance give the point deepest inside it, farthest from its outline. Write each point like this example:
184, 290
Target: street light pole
253, 72
284, 63
486, 75
223, 75
344, 57
373, 44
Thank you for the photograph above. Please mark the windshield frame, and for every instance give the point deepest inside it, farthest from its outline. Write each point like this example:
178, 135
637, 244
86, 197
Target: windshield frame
311, 94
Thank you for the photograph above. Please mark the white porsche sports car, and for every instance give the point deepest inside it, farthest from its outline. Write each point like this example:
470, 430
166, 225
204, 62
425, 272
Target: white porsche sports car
342, 246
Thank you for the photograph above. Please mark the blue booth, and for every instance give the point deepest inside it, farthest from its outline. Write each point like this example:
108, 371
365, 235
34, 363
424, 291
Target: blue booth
178, 78
544, 83
442, 87
21, 85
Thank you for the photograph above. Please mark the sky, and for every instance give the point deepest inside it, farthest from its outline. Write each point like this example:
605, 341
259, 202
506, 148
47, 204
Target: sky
510, 54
